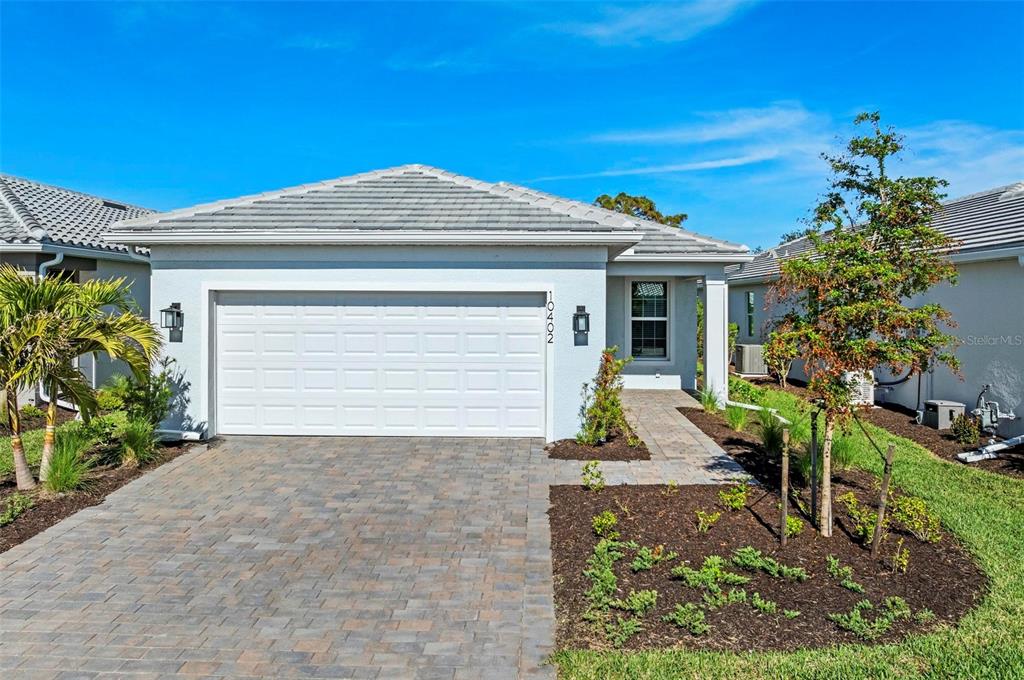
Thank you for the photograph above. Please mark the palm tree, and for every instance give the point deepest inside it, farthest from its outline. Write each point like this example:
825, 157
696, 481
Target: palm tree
94, 317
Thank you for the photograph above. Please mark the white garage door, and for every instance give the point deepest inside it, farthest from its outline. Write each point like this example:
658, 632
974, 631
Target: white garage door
380, 364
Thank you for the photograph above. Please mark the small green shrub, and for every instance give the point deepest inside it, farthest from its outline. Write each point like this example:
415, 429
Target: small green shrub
762, 605
592, 476
893, 609
603, 524
31, 411
863, 518
147, 397
741, 390
790, 613
711, 575
735, 497
107, 401
771, 433
604, 583
965, 430
842, 574
900, 559
719, 598
751, 559
639, 602
69, 466
671, 489
689, 617
706, 520
138, 443
736, 417
13, 506
913, 515
646, 558
794, 525
601, 411
621, 629
709, 400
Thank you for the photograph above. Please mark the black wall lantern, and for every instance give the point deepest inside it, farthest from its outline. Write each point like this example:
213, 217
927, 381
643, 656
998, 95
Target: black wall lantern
173, 319
581, 326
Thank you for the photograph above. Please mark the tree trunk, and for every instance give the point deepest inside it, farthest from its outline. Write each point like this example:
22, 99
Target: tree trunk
876, 541
825, 501
22, 473
49, 435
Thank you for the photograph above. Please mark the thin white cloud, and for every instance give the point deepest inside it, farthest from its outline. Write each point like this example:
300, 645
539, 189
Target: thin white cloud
971, 157
692, 166
654, 23
718, 126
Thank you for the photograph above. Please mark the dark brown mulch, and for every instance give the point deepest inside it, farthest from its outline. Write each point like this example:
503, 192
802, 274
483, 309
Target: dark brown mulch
744, 446
38, 422
942, 577
49, 510
615, 448
901, 421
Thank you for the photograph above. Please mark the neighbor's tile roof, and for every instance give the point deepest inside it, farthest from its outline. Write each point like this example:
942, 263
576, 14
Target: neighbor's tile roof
32, 212
421, 198
983, 221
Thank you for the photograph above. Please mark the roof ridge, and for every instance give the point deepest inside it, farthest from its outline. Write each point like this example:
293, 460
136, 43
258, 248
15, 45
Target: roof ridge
986, 192
20, 211
6, 176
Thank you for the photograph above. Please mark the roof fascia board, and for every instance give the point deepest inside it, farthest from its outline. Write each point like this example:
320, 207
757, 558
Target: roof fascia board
989, 254
93, 253
727, 258
348, 238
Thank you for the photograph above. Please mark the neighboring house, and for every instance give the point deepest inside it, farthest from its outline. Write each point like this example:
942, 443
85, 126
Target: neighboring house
412, 301
987, 304
48, 230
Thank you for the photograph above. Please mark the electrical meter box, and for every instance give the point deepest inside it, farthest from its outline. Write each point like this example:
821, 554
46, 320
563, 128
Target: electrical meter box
939, 413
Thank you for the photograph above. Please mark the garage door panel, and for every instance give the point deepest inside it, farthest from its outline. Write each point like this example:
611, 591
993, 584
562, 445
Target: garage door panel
380, 364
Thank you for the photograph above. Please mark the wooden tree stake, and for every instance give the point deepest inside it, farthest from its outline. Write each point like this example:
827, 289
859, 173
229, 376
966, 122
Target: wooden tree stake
785, 485
876, 541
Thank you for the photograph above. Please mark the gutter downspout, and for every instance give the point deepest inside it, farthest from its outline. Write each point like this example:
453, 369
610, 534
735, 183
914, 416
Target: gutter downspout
45, 266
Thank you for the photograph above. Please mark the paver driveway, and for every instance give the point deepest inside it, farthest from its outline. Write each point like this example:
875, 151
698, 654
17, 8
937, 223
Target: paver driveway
294, 557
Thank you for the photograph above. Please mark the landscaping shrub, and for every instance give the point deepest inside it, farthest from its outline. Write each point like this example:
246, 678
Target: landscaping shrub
771, 433
863, 518
893, 609
794, 525
709, 400
107, 401
735, 496
13, 506
711, 575
736, 417
31, 411
147, 397
842, 452
646, 558
842, 574
592, 476
743, 391
689, 617
762, 605
602, 412
913, 515
706, 520
138, 443
751, 559
965, 430
604, 523
69, 466
638, 602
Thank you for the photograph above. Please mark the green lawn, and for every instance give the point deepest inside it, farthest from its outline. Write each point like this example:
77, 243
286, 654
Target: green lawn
985, 510
33, 440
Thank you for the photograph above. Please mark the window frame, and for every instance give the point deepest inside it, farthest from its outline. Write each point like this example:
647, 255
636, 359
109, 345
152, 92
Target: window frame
669, 283
750, 301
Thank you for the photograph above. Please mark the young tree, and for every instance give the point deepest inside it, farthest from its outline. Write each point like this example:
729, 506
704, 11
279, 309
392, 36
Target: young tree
638, 206
874, 250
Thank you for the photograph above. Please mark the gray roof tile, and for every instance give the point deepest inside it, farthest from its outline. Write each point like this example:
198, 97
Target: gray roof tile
421, 198
982, 221
32, 212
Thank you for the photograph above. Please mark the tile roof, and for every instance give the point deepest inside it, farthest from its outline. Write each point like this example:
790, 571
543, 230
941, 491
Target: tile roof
32, 212
421, 199
983, 221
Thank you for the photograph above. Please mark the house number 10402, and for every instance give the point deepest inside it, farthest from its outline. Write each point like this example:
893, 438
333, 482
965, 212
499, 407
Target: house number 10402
551, 322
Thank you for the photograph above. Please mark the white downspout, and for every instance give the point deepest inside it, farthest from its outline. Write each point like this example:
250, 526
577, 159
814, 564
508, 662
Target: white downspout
44, 266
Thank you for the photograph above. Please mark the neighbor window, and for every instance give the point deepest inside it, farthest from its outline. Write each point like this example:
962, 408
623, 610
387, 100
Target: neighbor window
649, 319
750, 314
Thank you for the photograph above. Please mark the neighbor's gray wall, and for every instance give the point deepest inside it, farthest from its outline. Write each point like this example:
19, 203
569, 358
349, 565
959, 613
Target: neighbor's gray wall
738, 311
137, 277
680, 371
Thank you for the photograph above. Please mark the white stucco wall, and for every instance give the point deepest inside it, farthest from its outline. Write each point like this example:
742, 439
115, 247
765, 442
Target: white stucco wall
680, 370
988, 307
573, 276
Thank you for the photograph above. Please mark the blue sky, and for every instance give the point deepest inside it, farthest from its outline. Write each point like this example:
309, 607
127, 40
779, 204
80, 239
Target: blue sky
716, 109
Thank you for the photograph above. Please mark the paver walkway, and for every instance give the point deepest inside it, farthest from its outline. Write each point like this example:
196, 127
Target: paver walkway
278, 557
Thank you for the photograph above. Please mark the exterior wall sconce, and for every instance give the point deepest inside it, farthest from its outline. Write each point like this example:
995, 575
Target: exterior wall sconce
581, 320
173, 319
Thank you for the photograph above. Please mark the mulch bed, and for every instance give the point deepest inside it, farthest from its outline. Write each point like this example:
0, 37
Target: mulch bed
942, 577
615, 448
49, 510
38, 422
901, 421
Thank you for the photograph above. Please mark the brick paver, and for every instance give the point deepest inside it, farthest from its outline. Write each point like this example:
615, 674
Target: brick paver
278, 557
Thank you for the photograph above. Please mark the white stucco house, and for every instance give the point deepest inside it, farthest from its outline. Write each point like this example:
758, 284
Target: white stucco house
49, 231
987, 304
413, 301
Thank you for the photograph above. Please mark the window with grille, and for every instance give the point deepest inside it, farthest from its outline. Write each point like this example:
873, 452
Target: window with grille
750, 313
649, 319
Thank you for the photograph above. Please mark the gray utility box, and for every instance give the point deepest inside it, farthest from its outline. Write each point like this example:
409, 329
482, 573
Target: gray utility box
750, 360
939, 413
